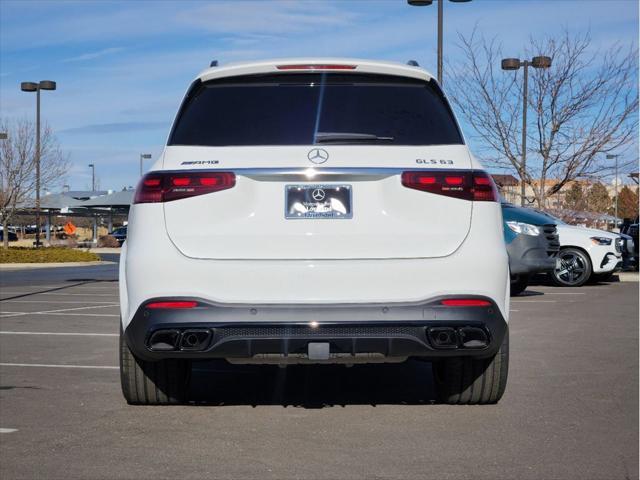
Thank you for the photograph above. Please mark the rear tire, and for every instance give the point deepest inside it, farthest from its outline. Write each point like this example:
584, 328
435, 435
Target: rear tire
164, 382
473, 381
519, 284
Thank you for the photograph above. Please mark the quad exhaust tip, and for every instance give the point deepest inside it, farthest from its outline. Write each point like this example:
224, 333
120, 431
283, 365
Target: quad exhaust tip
193, 339
449, 338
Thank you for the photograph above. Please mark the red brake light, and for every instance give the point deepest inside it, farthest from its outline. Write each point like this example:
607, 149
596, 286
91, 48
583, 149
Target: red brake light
454, 180
484, 189
151, 182
181, 181
316, 67
466, 185
171, 305
167, 186
465, 302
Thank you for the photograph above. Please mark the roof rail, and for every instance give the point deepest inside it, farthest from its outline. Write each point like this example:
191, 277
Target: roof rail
214, 63
413, 63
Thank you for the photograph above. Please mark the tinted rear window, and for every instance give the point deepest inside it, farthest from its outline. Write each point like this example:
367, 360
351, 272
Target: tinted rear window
290, 109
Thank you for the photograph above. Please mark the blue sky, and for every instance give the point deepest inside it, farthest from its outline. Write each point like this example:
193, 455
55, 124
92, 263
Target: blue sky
123, 66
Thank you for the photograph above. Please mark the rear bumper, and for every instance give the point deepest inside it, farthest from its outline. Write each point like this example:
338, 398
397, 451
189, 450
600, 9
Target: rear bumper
529, 254
156, 269
348, 331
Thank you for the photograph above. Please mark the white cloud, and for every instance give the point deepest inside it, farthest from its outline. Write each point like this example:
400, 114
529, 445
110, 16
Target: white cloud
92, 55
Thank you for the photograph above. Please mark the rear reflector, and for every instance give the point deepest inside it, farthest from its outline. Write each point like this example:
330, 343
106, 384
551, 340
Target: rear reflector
316, 67
167, 186
172, 305
465, 302
463, 184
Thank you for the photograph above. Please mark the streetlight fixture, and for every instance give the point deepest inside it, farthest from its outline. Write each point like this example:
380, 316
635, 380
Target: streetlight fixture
93, 177
36, 87
611, 156
143, 156
3, 136
515, 64
424, 3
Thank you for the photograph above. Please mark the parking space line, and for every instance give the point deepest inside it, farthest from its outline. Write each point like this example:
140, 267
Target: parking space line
564, 293
8, 430
21, 314
534, 301
61, 333
43, 365
61, 294
60, 311
113, 287
57, 301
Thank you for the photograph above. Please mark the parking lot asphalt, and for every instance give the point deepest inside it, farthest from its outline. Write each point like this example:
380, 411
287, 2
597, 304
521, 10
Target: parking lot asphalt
570, 409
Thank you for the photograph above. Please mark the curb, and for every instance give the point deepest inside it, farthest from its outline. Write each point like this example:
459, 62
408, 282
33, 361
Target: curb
31, 266
628, 276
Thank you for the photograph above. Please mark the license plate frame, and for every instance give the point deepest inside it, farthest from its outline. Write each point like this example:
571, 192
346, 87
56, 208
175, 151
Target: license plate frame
318, 202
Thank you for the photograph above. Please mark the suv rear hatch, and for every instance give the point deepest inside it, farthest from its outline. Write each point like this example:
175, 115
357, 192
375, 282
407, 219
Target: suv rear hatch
318, 161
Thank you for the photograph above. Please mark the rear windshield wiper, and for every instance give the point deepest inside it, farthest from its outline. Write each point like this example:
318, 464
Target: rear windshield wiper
346, 137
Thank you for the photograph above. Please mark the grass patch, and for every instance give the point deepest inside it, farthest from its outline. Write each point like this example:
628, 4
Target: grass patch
45, 255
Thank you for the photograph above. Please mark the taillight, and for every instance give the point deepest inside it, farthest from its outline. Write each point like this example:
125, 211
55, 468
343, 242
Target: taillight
465, 302
167, 186
467, 185
316, 66
172, 305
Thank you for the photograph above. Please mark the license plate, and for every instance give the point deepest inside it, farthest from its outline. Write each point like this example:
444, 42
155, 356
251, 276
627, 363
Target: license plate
318, 201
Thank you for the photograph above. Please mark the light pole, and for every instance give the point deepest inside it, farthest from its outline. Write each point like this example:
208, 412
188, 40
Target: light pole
143, 156
611, 156
515, 64
36, 87
422, 3
93, 177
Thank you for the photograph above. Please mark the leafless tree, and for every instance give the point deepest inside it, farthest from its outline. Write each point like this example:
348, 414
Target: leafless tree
582, 107
17, 166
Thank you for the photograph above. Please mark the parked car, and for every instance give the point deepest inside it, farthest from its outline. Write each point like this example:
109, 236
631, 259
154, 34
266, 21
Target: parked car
315, 211
629, 260
586, 254
120, 234
532, 244
11, 235
630, 248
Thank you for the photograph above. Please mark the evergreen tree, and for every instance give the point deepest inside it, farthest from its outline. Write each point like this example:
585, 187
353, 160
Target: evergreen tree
598, 199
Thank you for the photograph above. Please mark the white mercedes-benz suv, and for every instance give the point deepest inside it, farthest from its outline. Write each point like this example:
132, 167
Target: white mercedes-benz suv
315, 211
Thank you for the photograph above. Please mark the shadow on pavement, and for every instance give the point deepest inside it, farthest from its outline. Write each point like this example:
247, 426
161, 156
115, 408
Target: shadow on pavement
218, 383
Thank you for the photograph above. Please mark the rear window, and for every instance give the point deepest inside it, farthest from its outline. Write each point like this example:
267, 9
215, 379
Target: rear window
306, 109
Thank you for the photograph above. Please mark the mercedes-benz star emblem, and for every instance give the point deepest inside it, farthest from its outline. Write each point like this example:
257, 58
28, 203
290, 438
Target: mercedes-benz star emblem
318, 155
318, 194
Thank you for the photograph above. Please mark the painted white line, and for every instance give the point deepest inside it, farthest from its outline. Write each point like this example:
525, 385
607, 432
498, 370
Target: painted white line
79, 308
113, 286
564, 293
8, 430
5, 314
100, 367
60, 294
534, 301
509, 310
22, 314
61, 333
57, 301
